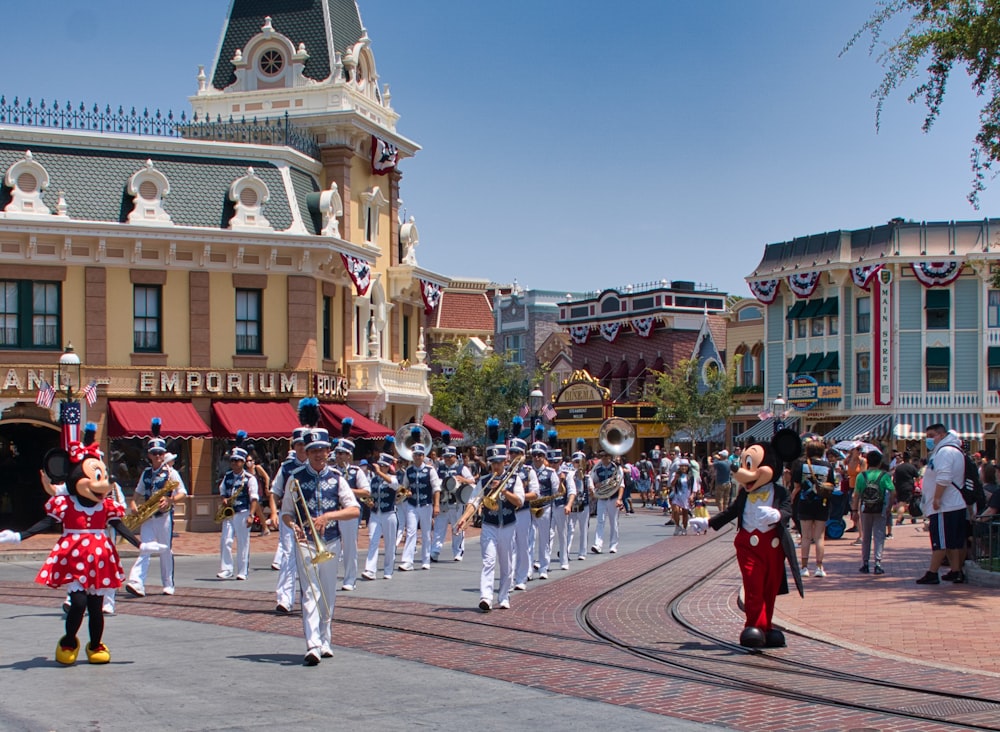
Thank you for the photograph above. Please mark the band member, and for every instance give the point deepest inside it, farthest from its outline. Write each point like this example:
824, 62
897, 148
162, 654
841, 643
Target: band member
453, 476
159, 528
580, 494
317, 497
357, 479
496, 542
549, 486
524, 535
604, 473
559, 515
422, 480
240, 493
382, 523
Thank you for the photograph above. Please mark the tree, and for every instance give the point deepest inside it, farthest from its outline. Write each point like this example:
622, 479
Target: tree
686, 402
476, 389
945, 34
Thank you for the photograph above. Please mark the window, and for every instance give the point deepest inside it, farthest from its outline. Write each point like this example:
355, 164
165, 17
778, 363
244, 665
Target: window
863, 372
938, 362
248, 321
327, 336
29, 314
146, 319
512, 348
994, 378
863, 321
801, 328
938, 309
747, 367
833, 327
271, 62
790, 327
750, 313
993, 309
818, 325
406, 337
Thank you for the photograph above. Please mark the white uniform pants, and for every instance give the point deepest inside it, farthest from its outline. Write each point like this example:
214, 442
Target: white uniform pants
349, 547
560, 533
607, 511
497, 546
318, 583
448, 517
235, 528
159, 529
412, 516
285, 591
522, 546
542, 528
382, 526
579, 526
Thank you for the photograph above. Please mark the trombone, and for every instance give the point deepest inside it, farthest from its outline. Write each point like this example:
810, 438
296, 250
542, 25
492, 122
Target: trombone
313, 542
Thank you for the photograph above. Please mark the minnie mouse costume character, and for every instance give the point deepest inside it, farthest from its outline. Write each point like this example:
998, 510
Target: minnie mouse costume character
84, 560
763, 544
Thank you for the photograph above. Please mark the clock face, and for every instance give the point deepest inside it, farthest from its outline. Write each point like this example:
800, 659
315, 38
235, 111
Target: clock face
271, 62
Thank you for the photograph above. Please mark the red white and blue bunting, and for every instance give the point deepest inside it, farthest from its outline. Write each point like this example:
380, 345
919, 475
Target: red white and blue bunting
360, 272
579, 334
609, 331
431, 294
765, 290
803, 284
644, 326
937, 274
862, 275
384, 156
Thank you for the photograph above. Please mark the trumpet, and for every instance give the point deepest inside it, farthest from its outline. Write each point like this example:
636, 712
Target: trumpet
402, 494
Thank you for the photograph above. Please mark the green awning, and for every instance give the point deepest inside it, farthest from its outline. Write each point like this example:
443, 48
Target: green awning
796, 310
939, 357
938, 299
811, 363
794, 366
812, 308
993, 357
831, 306
830, 362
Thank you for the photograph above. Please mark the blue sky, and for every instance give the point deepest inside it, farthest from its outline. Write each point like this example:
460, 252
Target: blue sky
574, 144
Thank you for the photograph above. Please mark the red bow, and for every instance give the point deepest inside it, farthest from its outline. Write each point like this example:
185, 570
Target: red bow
79, 452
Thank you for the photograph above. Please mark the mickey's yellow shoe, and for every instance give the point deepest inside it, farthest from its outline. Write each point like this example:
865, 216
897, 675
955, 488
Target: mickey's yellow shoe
98, 653
66, 655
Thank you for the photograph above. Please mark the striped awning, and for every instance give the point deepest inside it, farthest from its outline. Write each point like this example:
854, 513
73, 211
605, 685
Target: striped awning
763, 430
969, 426
716, 433
862, 427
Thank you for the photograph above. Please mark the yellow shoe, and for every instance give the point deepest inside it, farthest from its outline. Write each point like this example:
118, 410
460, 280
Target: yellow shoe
66, 655
98, 654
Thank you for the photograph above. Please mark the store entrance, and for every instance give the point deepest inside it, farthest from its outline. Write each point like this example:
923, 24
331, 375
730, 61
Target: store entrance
23, 443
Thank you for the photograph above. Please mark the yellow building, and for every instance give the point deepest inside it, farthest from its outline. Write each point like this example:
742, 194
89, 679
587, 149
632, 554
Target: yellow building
213, 272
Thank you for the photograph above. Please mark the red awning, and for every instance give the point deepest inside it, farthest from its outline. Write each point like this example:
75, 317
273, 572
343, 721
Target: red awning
639, 370
260, 420
622, 371
133, 419
606, 370
435, 426
364, 428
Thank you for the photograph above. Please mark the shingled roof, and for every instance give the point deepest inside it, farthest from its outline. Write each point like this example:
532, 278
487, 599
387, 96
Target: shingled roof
94, 183
465, 311
302, 21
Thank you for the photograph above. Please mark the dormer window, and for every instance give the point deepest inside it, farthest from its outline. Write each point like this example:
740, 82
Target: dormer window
249, 193
372, 203
148, 186
27, 179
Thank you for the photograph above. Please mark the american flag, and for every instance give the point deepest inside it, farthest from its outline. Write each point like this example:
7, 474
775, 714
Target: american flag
90, 392
45, 395
69, 417
549, 412
523, 411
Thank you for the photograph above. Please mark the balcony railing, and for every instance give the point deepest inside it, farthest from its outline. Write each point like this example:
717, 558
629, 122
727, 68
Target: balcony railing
254, 131
391, 379
938, 399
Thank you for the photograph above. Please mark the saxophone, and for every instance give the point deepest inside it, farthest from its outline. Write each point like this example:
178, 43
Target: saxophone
227, 511
538, 504
149, 508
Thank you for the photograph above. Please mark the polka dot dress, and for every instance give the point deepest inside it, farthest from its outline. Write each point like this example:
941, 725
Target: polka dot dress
84, 557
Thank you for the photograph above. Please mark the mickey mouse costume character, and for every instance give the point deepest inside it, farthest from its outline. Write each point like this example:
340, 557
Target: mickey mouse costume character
763, 543
84, 560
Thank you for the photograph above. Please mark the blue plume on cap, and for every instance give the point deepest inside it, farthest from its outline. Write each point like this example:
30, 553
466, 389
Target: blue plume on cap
553, 436
154, 426
446, 437
309, 411
89, 433
539, 431
241, 437
345, 427
581, 444
493, 430
415, 432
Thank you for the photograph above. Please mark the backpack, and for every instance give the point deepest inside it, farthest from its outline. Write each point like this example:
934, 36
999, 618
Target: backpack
972, 487
814, 489
872, 497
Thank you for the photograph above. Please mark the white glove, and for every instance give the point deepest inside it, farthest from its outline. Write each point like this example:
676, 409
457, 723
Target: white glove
771, 514
151, 547
10, 537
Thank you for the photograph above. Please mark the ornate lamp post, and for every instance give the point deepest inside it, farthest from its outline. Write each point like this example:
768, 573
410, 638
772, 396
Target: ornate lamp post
70, 411
778, 410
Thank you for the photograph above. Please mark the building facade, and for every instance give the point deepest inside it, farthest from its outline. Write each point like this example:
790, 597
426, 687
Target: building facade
212, 272
875, 333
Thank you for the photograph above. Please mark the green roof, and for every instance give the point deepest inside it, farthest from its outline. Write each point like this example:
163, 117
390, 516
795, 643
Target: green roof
302, 21
796, 364
830, 306
796, 310
95, 182
830, 362
811, 363
811, 310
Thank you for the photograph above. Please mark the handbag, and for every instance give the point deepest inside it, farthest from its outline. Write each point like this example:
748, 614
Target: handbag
915, 510
822, 490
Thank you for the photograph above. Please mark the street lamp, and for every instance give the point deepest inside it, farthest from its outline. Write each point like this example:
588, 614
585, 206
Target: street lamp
778, 410
70, 411
70, 361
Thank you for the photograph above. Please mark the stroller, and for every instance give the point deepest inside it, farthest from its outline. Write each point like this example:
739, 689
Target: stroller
839, 506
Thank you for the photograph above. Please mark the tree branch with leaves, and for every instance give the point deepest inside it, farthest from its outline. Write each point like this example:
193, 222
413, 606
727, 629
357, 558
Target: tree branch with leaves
686, 401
